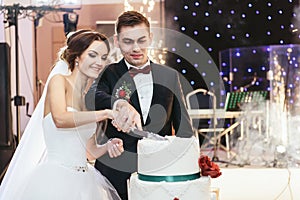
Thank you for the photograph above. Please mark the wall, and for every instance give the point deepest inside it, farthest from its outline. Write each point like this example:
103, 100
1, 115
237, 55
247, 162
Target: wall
50, 37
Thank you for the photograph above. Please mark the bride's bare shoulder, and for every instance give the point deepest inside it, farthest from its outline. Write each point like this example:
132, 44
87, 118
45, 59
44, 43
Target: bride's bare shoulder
57, 81
58, 77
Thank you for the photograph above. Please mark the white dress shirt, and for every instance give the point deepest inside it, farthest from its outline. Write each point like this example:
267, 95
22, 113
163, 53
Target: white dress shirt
144, 86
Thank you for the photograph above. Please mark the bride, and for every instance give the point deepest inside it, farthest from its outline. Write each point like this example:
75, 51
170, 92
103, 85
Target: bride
50, 161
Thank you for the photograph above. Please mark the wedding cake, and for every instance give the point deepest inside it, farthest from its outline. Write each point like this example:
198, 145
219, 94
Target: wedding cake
168, 169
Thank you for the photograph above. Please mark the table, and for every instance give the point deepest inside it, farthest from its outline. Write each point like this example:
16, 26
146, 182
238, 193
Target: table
222, 114
252, 183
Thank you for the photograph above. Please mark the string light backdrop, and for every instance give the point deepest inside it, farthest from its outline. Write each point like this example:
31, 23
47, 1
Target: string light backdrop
219, 25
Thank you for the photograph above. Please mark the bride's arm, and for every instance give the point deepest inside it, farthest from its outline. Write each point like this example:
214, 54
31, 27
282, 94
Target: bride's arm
114, 147
56, 100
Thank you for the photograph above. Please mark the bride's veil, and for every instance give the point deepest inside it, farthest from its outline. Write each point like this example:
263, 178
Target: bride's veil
31, 148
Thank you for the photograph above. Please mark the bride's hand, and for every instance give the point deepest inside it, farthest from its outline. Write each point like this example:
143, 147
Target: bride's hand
125, 117
114, 147
113, 121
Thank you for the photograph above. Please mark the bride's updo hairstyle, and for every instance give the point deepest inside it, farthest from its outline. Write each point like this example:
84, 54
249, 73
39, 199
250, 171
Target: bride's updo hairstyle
78, 42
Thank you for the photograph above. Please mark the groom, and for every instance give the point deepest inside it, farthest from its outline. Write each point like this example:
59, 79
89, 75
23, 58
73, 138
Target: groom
148, 95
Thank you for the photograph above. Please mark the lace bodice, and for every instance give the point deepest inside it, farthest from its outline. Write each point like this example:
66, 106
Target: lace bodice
66, 146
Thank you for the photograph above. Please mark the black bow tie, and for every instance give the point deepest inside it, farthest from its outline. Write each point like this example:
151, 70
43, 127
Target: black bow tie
134, 71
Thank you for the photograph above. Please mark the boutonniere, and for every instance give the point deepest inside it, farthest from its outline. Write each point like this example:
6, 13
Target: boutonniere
123, 92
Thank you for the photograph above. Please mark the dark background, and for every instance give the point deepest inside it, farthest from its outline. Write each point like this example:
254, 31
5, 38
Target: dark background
220, 25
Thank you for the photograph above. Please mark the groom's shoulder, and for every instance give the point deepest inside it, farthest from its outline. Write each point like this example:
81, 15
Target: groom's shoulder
164, 68
115, 65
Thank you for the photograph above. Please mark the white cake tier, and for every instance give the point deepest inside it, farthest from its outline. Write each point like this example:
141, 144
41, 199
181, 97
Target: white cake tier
185, 190
172, 157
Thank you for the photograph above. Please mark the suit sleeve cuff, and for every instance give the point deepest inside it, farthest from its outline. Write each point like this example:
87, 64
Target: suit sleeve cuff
115, 105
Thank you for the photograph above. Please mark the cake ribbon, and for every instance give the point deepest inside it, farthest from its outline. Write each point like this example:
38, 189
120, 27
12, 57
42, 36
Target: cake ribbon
176, 178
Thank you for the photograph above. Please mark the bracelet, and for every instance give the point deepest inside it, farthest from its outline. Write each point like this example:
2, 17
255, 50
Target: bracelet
110, 139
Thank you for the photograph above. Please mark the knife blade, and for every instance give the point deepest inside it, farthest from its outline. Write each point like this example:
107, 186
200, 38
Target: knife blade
147, 134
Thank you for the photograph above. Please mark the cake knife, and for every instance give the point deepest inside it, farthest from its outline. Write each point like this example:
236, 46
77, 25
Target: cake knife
147, 134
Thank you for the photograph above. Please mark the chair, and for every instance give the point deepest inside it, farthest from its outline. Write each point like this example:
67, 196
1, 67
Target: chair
204, 102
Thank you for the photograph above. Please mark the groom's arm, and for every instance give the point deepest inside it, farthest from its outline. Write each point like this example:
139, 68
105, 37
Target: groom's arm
99, 95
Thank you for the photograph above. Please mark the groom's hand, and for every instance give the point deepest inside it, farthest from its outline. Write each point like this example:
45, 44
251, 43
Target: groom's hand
126, 116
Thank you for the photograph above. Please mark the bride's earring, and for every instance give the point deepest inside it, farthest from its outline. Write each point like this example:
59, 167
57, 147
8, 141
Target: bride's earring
76, 63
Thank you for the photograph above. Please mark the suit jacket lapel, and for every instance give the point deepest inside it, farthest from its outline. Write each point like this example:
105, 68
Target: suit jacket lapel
122, 69
155, 75
125, 77
134, 100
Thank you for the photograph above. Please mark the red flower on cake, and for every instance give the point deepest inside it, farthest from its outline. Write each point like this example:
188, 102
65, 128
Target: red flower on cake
175, 198
123, 92
208, 168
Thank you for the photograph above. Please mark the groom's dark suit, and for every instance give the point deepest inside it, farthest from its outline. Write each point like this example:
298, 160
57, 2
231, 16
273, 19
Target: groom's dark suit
167, 110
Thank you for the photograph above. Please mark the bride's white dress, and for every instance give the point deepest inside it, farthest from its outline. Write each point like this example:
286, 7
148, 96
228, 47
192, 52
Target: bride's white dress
65, 174
61, 174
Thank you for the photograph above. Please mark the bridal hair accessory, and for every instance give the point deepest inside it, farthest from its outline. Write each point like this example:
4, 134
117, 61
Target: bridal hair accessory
123, 92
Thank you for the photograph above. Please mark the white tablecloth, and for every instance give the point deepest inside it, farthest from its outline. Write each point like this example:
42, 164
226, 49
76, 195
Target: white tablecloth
258, 184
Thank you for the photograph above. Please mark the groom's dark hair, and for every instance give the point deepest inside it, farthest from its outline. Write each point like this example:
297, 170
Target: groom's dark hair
131, 18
